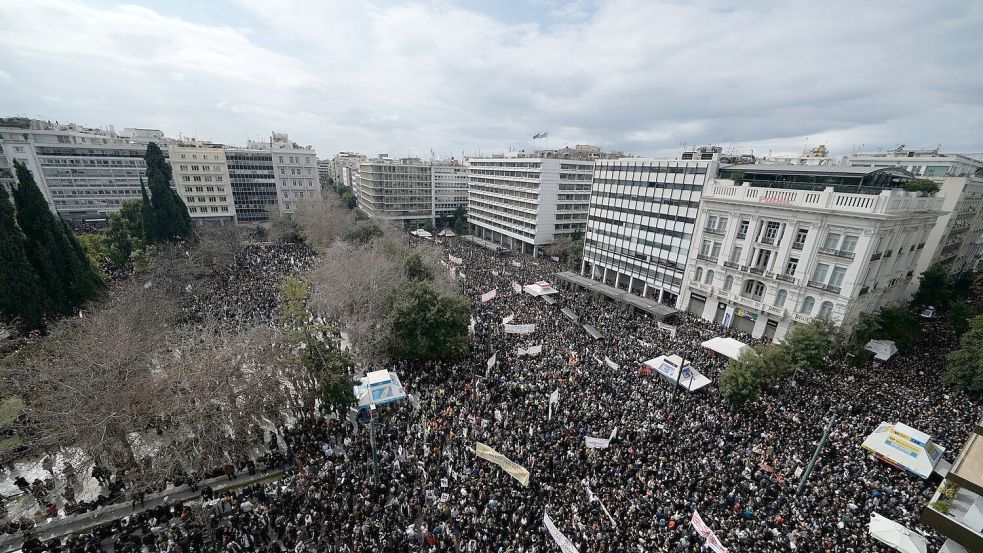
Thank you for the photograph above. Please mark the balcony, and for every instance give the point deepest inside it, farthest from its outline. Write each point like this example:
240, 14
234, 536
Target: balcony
779, 311
700, 286
786, 278
707, 258
752, 302
837, 253
757, 270
876, 256
710, 230
817, 285
797, 245
732, 265
833, 289
741, 235
768, 240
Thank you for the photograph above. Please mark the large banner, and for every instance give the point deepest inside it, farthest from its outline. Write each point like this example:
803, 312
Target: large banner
611, 364
520, 329
566, 546
490, 295
516, 264
455, 260
671, 329
728, 317
600, 443
492, 360
701, 528
534, 350
508, 319
515, 470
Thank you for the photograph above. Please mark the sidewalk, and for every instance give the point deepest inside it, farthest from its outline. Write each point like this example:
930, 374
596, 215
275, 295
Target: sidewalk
80, 523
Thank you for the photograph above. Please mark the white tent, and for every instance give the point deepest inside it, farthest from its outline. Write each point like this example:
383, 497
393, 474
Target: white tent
668, 367
447, 233
882, 349
541, 288
895, 535
904, 447
421, 233
728, 347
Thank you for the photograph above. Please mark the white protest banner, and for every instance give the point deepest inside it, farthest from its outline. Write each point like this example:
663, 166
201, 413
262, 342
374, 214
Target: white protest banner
492, 360
566, 546
614, 433
471, 326
516, 287
596, 443
508, 319
516, 264
533, 351
455, 260
610, 363
554, 398
701, 528
515, 470
592, 497
520, 329
671, 329
490, 295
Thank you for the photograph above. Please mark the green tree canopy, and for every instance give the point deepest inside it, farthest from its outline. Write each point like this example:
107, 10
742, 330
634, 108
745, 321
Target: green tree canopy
808, 345
934, 288
22, 298
426, 323
362, 233
966, 363
927, 186
460, 220
170, 219
415, 269
349, 200
753, 372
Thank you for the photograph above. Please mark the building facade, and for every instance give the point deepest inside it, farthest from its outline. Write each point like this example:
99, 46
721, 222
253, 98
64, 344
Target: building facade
955, 242
640, 223
295, 168
254, 188
450, 189
789, 244
83, 173
959, 518
396, 190
524, 203
201, 176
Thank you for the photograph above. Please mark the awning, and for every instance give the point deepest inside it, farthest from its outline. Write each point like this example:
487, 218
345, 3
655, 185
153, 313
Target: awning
882, 349
895, 535
903, 447
728, 347
548, 300
668, 367
540, 288
421, 233
447, 232
570, 314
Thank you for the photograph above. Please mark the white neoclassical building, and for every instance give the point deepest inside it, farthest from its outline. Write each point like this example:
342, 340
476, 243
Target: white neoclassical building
786, 244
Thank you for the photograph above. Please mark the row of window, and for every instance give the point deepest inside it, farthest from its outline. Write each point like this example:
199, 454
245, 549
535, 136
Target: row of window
199, 178
209, 209
756, 290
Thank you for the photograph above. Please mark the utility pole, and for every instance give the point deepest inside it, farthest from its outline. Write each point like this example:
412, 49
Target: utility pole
375, 455
679, 375
815, 456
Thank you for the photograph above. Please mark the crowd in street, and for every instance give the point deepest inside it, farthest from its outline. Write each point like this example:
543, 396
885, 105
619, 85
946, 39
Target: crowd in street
672, 454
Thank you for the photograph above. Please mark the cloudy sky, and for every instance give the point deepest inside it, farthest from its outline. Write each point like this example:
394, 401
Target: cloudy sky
404, 77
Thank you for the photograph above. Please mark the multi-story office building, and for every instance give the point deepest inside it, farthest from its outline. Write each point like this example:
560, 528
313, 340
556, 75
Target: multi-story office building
254, 186
955, 240
450, 189
524, 203
344, 165
640, 223
84, 173
779, 245
397, 190
201, 176
295, 168
325, 171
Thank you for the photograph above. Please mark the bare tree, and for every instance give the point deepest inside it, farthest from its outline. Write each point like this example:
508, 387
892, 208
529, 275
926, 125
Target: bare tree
217, 246
322, 221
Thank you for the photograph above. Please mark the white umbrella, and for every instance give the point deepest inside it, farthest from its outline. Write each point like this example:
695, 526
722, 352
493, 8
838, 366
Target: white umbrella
897, 536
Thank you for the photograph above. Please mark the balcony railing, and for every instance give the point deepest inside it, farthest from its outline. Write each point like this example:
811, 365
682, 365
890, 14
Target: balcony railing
702, 257
833, 289
711, 230
786, 278
876, 256
817, 284
766, 240
836, 252
797, 245
732, 265
757, 270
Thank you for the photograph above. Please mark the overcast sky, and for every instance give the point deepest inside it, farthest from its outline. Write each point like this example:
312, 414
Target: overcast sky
474, 75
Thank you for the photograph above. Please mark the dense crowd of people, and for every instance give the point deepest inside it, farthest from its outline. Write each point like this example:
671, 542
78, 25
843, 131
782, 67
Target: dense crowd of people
672, 454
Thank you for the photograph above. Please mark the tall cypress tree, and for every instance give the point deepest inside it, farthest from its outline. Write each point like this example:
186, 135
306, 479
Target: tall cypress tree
171, 218
62, 267
21, 296
149, 225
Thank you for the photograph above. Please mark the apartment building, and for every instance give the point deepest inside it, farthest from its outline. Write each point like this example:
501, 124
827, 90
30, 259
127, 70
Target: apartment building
398, 190
955, 242
83, 173
958, 514
640, 222
449, 180
296, 172
201, 176
344, 167
524, 203
778, 245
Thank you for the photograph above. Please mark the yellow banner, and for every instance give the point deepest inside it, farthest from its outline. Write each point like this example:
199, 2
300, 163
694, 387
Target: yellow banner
515, 470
